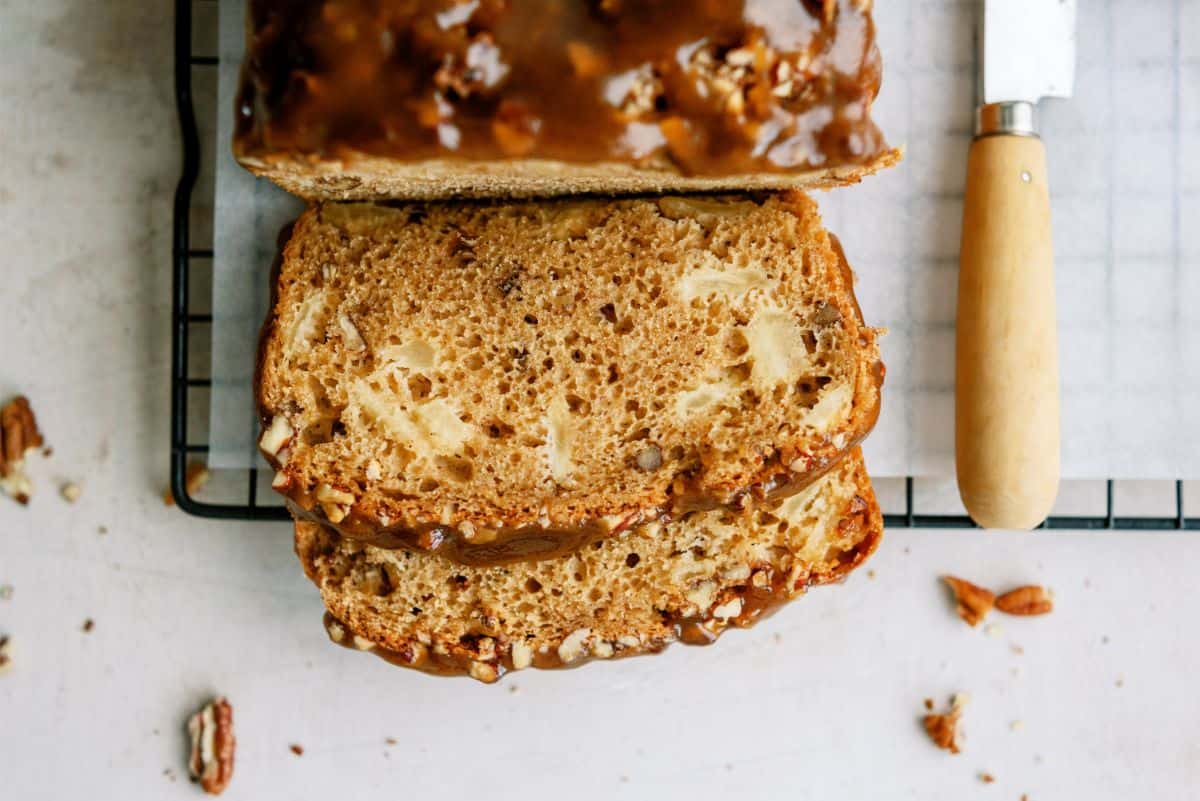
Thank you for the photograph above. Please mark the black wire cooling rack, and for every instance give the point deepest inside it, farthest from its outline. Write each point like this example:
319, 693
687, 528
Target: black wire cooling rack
243, 491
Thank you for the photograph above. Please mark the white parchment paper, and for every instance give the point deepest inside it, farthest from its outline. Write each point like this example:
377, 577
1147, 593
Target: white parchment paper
1124, 163
248, 217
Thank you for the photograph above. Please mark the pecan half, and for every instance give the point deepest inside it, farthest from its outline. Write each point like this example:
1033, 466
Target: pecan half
211, 732
1028, 600
972, 601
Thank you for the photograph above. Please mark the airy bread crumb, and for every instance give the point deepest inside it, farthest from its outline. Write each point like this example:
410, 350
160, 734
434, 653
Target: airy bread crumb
480, 368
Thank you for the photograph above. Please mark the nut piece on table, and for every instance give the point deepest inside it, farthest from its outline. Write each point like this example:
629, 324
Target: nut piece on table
943, 728
193, 481
1028, 600
18, 436
973, 602
5, 654
211, 733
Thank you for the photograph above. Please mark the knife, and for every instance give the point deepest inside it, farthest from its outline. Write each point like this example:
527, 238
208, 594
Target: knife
1006, 354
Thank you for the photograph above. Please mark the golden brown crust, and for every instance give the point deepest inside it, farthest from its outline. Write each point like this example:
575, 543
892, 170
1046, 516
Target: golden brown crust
479, 533
362, 177
423, 612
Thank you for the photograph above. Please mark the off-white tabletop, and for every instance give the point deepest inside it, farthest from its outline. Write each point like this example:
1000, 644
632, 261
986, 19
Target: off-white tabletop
822, 701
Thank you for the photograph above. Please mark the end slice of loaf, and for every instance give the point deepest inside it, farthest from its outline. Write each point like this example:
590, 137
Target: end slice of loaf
508, 381
630, 594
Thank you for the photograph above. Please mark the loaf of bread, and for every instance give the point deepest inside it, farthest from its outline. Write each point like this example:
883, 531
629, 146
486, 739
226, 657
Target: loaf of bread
630, 594
501, 382
424, 99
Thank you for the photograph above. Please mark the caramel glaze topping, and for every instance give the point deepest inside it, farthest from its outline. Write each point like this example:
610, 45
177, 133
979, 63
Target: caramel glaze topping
713, 87
764, 594
509, 544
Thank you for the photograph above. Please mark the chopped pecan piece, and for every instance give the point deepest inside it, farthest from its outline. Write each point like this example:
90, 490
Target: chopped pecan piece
18, 436
477, 71
194, 479
973, 602
586, 61
943, 728
515, 129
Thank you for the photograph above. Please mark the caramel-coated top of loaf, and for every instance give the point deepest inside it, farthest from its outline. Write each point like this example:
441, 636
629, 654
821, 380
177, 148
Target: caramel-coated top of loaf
704, 87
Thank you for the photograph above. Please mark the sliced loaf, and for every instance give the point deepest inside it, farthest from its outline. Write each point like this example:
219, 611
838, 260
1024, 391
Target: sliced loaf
633, 593
503, 382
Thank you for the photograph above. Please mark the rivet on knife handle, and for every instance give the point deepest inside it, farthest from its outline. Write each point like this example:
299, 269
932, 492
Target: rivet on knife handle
1006, 383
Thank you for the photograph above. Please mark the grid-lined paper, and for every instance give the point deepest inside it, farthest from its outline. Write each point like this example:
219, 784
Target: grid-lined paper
1124, 164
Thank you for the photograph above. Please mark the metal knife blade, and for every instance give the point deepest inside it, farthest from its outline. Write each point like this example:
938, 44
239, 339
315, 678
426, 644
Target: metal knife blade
1028, 50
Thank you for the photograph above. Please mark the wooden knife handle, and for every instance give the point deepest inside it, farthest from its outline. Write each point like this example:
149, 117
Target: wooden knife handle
1006, 371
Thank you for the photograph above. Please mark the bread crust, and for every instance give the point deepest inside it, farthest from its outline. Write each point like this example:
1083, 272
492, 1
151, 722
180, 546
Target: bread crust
360, 177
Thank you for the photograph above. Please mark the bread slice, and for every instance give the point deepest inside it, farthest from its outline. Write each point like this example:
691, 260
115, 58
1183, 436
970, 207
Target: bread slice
508, 381
630, 594
358, 100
